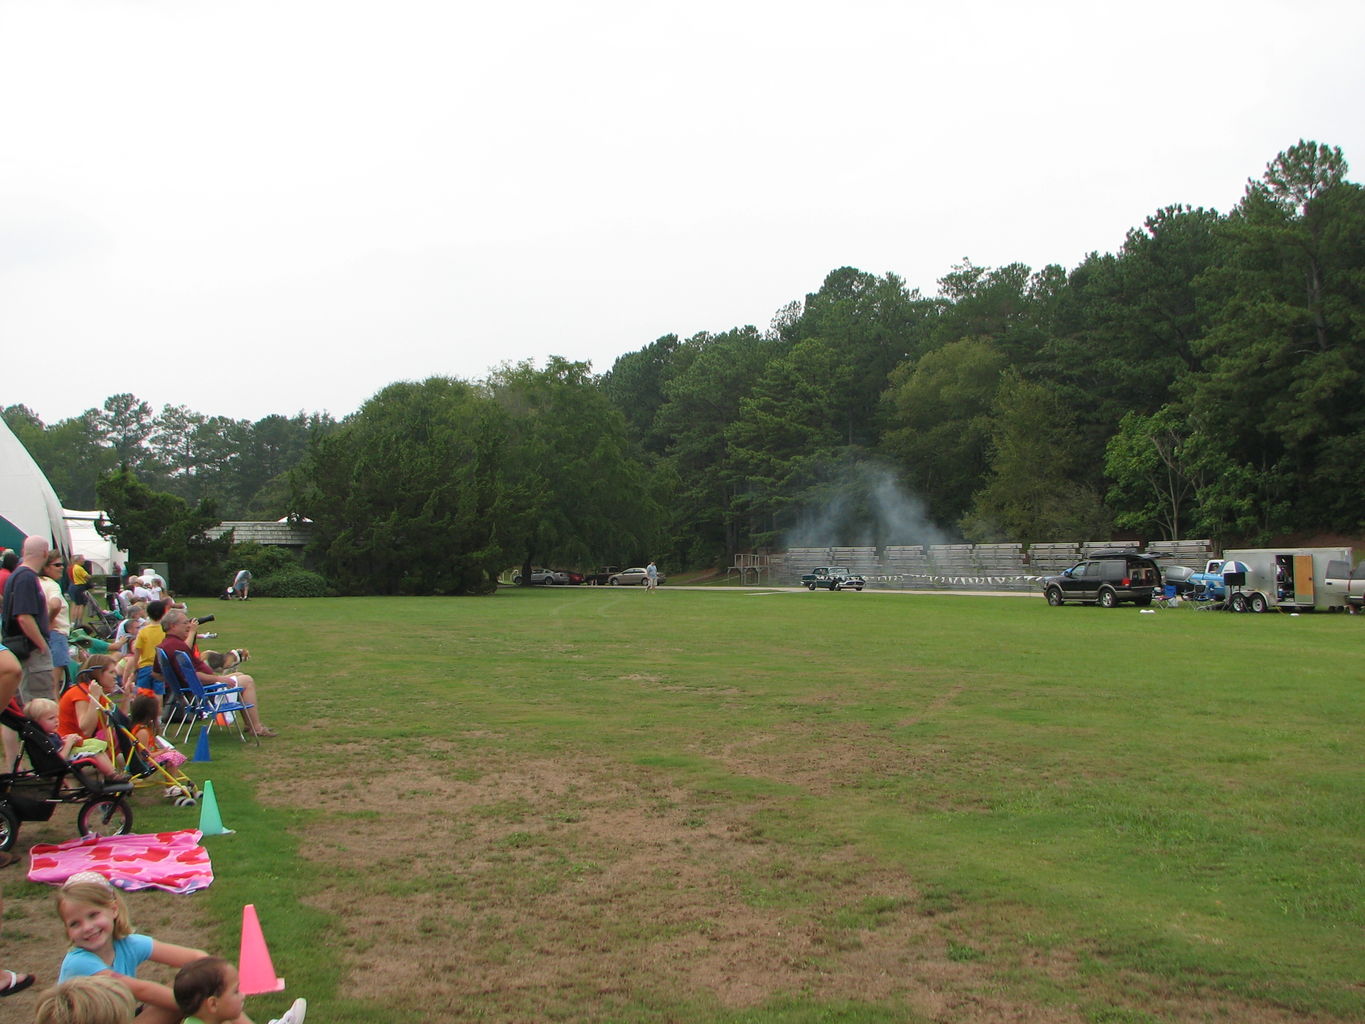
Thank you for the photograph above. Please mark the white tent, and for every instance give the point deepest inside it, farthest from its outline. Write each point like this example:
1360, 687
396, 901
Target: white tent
102, 553
28, 504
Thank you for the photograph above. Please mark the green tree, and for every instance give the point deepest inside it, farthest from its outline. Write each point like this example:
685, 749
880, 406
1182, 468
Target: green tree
1127, 326
1037, 486
789, 424
125, 423
1283, 362
873, 324
155, 526
174, 444
270, 448
406, 496
1154, 478
938, 422
635, 385
577, 487
712, 374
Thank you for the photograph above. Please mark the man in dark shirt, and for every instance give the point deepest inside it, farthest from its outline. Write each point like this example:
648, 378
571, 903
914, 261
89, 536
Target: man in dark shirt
25, 612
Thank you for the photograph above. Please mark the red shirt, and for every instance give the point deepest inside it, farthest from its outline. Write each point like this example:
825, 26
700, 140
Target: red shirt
171, 645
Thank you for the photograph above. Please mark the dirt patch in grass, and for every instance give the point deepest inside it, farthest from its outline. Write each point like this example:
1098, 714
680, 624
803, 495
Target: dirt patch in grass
580, 890
569, 890
851, 755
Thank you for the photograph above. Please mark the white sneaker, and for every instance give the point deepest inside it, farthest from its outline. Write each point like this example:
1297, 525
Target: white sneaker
295, 1014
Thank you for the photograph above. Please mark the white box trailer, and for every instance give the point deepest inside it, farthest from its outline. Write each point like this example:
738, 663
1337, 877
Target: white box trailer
1289, 578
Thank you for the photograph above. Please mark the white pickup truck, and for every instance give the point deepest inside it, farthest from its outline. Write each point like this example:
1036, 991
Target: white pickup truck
1347, 583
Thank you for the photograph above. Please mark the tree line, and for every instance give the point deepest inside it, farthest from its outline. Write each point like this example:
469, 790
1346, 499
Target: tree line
1205, 379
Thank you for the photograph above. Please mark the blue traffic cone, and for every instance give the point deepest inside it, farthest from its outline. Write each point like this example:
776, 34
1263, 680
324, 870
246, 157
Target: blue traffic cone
201, 750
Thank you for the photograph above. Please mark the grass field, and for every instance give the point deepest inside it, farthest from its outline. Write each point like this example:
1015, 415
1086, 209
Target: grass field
747, 806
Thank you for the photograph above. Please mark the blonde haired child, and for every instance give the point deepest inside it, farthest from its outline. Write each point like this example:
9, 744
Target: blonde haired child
43, 712
95, 1000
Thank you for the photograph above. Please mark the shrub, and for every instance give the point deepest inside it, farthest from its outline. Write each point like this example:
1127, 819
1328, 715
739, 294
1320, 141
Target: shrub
261, 560
291, 582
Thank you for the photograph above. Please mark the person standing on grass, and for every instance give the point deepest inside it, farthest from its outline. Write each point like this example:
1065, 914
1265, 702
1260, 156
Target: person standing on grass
651, 575
141, 669
25, 615
241, 585
58, 617
80, 589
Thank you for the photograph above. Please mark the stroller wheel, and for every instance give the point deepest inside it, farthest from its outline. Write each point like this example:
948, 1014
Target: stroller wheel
105, 815
9, 826
185, 801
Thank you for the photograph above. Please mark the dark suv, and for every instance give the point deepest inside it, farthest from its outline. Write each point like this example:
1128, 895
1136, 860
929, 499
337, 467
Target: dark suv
1106, 578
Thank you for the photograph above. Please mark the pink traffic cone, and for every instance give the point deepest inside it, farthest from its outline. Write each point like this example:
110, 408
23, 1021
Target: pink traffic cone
256, 974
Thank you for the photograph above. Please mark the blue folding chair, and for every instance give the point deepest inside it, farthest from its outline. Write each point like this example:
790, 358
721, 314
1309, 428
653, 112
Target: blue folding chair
204, 702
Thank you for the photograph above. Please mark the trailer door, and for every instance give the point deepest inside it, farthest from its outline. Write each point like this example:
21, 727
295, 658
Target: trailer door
1303, 580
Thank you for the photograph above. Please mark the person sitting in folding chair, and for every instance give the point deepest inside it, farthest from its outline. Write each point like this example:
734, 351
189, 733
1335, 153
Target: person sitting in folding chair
180, 630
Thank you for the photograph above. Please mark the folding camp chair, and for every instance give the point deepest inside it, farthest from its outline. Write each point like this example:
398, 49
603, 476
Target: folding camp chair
210, 703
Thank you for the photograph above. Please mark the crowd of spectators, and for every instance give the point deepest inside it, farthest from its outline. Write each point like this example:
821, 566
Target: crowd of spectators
58, 637
68, 663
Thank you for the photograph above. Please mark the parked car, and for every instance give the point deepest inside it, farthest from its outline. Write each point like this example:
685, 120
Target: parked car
832, 577
599, 576
575, 578
630, 578
1106, 578
543, 578
1348, 583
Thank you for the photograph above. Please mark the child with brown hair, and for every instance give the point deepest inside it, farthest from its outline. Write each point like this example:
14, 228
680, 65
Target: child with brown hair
144, 722
207, 992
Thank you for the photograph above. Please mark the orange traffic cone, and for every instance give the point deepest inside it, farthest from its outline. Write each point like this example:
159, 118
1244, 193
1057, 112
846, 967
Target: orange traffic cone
256, 974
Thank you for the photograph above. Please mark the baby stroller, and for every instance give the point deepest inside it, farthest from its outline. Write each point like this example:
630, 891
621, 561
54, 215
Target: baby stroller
33, 794
102, 624
147, 770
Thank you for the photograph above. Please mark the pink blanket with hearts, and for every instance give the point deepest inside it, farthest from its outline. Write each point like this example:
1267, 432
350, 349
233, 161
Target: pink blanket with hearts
173, 861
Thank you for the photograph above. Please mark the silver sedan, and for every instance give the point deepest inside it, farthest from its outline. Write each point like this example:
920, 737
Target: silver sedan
630, 578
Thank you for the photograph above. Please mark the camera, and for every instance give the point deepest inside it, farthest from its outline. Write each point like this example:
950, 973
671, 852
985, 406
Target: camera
203, 619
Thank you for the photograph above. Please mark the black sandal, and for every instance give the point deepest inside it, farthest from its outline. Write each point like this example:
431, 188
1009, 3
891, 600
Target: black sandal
17, 983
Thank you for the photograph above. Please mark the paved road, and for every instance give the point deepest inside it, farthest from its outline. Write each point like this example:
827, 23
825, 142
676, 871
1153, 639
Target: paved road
869, 590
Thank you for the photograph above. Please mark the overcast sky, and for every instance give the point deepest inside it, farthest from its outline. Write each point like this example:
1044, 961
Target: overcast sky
264, 206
